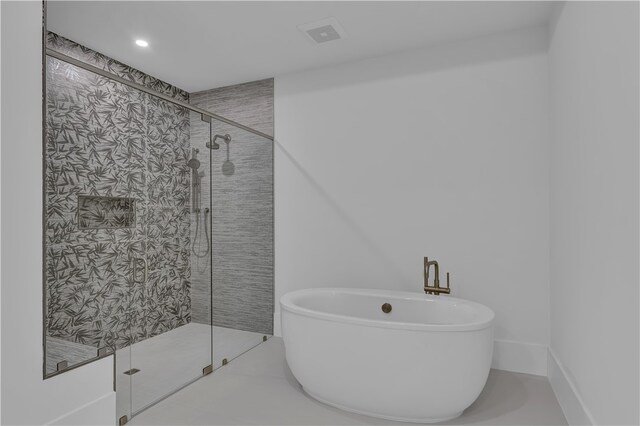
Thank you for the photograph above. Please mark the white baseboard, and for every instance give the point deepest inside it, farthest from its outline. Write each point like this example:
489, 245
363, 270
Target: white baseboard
101, 411
520, 357
573, 407
277, 330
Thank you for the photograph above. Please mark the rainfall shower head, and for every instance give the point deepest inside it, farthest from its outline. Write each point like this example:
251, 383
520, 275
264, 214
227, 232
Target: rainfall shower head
214, 145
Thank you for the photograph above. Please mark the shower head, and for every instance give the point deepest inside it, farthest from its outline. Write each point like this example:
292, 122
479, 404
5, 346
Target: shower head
214, 145
228, 168
194, 163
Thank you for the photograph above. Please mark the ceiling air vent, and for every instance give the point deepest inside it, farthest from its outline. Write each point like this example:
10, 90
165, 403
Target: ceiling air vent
323, 31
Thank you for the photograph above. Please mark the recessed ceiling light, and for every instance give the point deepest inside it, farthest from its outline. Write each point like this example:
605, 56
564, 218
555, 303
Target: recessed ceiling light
142, 43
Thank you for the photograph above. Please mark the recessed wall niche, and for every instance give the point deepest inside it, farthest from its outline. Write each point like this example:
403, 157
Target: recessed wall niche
106, 212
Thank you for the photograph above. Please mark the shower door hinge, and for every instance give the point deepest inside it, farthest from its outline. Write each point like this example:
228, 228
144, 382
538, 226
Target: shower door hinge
207, 370
122, 421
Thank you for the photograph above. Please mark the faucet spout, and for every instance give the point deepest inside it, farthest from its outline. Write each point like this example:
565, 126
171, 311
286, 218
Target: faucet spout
435, 289
436, 267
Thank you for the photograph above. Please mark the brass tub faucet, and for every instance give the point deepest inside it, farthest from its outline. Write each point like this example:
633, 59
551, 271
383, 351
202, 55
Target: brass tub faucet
435, 289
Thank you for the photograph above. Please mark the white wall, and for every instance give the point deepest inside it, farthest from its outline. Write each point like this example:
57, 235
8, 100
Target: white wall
593, 62
82, 396
440, 152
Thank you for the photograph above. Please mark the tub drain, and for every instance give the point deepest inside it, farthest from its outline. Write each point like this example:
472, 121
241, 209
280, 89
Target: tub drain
386, 308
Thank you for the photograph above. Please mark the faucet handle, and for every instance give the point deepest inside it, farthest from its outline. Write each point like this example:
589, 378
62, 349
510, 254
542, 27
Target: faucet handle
446, 290
427, 269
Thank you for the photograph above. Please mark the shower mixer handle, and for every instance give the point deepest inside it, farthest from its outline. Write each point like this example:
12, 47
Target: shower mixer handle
145, 270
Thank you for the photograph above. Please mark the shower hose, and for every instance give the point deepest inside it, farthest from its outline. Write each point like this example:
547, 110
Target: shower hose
198, 233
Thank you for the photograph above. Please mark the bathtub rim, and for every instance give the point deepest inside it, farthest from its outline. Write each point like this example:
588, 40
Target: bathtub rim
288, 304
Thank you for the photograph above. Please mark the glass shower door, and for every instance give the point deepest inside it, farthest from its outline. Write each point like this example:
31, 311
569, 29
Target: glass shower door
172, 280
242, 275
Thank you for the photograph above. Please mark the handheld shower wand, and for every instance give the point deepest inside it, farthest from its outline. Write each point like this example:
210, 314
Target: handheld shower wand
196, 204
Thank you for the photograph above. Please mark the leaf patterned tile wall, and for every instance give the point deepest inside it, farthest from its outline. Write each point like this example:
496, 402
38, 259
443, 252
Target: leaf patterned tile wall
104, 139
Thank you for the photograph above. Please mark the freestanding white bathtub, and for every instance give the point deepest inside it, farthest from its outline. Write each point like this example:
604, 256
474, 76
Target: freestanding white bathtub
425, 361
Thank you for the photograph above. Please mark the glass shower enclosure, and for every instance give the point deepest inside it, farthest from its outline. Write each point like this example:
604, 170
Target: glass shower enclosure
139, 187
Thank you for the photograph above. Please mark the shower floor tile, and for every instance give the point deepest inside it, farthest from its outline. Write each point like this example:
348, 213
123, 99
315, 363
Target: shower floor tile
257, 388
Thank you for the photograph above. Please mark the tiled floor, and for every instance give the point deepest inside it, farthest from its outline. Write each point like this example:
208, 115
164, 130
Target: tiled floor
258, 389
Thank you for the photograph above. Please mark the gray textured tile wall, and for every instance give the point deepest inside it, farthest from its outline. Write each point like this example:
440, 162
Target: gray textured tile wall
250, 103
242, 207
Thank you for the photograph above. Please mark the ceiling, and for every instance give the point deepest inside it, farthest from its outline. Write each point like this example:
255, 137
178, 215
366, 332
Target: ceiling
202, 45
